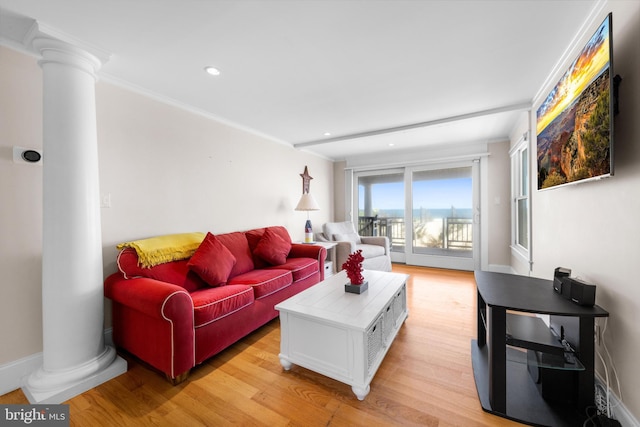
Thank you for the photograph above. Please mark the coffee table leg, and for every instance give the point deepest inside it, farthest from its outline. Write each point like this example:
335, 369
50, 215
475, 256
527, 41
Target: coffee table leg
285, 363
360, 392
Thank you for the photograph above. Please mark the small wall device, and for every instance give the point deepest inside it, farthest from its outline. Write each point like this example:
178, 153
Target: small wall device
31, 156
26, 155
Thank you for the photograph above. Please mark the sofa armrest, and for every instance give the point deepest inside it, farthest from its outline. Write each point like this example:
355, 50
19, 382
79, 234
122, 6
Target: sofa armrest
300, 250
154, 321
343, 250
149, 296
378, 241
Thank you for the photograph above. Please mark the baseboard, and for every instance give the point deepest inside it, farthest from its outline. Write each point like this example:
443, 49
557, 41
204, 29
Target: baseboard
14, 374
498, 268
618, 410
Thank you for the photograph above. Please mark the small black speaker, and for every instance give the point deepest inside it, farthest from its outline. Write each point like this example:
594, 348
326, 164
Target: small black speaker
566, 287
582, 293
559, 274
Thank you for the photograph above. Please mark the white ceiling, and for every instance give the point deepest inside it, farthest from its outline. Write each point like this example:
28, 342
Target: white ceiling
372, 73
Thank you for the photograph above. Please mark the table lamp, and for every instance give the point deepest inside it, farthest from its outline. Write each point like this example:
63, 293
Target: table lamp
307, 203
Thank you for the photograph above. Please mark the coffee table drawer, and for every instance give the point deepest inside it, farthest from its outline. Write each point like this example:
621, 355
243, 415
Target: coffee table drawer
374, 344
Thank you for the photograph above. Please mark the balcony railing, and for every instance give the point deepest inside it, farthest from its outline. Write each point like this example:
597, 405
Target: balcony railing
368, 225
459, 233
444, 233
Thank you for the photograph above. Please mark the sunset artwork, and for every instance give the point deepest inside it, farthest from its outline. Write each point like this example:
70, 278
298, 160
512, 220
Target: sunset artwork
574, 122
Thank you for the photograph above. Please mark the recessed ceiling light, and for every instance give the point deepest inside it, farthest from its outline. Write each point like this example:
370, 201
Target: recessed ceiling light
212, 70
327, 134
392, 144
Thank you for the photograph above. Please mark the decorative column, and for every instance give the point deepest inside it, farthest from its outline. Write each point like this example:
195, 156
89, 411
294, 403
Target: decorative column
368, 210
75, 357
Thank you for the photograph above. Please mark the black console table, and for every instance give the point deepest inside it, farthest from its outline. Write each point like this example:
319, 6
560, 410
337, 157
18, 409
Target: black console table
515, 353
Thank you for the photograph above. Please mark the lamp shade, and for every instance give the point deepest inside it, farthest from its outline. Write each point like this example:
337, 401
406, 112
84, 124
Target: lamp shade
307, 203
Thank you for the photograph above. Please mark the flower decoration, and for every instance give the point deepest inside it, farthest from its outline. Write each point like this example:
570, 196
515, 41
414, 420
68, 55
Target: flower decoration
353, 266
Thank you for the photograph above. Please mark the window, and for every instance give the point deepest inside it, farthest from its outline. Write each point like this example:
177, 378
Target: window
520, 232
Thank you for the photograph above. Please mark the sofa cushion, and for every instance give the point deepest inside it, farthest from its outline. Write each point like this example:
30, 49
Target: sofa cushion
347, 237
264, 282
300, 268
212, 261
237, 244
211, 304
254, 236
175, 272
370, 251
272, 248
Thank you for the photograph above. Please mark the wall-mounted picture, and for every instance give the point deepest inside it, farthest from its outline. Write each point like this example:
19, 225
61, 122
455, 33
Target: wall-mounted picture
575, 122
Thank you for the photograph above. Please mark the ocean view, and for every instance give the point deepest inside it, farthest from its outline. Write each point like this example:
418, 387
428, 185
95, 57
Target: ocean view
424, 213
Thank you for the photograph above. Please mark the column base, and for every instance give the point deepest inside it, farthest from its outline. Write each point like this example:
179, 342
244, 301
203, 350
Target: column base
46, 387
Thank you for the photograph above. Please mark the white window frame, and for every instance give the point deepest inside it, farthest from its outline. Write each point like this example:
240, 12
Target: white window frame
520, 191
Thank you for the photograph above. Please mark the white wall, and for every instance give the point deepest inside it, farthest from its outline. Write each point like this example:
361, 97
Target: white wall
593, 227
498, 208
20, 207
167, 171
339, 191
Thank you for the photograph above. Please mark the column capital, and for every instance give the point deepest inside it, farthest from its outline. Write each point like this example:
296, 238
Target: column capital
57, 47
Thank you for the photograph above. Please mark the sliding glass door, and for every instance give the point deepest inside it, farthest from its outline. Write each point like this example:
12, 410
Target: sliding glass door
440, 208
381, 208
429, 213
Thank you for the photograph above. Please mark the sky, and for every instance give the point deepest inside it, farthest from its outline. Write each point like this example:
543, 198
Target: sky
433, 194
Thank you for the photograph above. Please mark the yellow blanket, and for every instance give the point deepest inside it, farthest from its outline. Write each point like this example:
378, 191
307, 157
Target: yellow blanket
161, 249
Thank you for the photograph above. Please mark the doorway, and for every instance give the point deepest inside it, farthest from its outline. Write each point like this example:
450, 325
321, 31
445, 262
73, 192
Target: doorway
429, 213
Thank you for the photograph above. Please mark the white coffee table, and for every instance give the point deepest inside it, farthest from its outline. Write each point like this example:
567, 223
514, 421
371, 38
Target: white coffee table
342, 335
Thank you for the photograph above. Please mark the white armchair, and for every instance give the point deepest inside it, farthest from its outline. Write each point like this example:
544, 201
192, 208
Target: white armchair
375, 249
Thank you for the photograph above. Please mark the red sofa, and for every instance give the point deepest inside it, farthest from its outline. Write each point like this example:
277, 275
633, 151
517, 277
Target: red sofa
177, 314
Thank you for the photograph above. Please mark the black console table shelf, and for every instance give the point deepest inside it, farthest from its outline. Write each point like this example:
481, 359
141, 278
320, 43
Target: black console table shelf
531, 333
502, 372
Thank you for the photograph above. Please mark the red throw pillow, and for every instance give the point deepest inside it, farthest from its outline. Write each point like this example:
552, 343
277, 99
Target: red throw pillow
212, 261
272, 248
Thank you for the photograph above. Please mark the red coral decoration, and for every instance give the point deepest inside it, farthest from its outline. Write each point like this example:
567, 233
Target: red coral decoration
353, 266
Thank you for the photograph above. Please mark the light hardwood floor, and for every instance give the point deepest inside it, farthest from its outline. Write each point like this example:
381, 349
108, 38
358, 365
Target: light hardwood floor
426, 378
